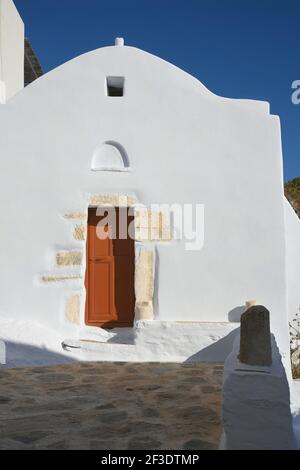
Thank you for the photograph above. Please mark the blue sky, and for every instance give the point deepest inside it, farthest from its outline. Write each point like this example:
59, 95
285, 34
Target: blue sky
237, 48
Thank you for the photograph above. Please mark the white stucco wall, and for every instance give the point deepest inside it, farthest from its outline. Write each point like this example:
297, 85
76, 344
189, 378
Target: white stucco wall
256, 405
11, 51
184, 144
293, 259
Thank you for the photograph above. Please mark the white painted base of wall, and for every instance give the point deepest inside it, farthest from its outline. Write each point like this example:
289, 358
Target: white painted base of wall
256, 405
156, 341
296, 412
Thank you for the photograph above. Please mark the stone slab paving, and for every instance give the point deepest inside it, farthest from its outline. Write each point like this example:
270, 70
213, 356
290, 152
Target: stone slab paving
111, 406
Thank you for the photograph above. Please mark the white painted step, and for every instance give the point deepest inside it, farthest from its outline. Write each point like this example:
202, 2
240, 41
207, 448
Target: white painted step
157, 341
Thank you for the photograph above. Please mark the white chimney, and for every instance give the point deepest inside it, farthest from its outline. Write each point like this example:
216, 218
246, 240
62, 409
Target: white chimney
119, 42
11, 51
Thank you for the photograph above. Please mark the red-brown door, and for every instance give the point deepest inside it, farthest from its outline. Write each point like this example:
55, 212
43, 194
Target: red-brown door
109, 276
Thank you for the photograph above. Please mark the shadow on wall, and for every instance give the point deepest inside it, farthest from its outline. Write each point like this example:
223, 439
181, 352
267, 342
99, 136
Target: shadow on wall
234, 316
218, 351
24, 355
122, 336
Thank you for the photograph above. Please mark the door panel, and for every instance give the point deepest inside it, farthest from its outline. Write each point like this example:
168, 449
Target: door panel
123, 246
124, 294
101, 300
97, 247
109, 278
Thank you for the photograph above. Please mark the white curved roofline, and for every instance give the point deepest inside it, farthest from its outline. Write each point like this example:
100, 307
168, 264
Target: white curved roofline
262, 106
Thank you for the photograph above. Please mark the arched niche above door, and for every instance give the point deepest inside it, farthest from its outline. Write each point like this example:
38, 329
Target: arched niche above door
110, 156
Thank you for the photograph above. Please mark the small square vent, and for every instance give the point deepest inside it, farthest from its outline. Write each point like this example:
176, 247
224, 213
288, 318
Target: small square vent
115, 86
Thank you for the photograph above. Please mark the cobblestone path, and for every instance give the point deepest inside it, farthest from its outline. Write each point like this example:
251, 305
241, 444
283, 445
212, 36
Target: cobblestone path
111, 406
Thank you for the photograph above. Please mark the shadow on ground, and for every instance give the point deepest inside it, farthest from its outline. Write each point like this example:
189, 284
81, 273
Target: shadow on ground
23, 355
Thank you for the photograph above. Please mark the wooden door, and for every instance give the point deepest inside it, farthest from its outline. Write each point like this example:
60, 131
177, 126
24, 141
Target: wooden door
109, 276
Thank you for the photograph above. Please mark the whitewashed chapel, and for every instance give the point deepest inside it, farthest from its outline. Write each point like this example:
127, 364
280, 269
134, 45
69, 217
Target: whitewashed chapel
119, 127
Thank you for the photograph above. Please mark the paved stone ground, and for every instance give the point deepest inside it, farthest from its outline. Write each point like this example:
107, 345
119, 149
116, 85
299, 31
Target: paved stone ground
111, 406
